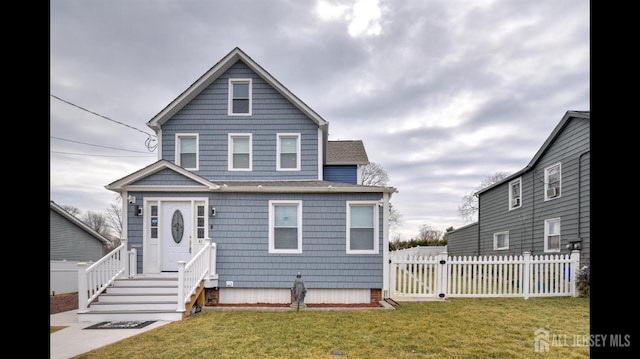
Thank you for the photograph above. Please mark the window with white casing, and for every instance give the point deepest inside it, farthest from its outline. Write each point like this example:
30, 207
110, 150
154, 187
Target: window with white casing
288, 152
200, 221
552, 235
501, 240
515, 193
240, 97
362, 227
240, 152
285, 227
153, 220
187, 151
552, 181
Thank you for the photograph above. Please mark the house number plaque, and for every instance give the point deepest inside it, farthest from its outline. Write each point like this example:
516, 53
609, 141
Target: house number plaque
177, 226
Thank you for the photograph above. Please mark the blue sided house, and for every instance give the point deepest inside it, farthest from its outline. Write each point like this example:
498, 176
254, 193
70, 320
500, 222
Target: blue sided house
247, 166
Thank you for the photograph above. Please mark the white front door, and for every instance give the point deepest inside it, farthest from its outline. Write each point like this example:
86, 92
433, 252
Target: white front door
177, 234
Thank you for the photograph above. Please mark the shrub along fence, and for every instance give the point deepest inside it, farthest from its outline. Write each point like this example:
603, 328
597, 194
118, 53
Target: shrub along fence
483, 276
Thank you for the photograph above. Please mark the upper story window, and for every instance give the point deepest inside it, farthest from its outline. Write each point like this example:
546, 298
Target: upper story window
515, 193
362, 227
187, 151
552, 181
240, 152
285, 226
501, 240
552, 235
240, 97
288, 152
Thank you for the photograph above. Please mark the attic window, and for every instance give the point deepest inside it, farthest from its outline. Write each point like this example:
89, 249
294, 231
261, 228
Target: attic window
239, 97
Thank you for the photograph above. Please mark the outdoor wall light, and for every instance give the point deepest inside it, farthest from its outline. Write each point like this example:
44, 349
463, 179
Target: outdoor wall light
213, 211
131, 199
138, 210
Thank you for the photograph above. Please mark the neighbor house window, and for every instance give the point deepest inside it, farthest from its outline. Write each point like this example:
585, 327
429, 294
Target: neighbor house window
187, 151
500, 241
288, 152
515, 193
240, 148
552, 235
239, 97
285, 226
552, 181
362, 227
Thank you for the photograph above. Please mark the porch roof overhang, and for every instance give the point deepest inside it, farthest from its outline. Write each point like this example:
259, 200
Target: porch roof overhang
127, 183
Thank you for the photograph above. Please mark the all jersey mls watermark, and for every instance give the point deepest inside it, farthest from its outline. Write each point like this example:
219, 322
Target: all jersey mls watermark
543, 340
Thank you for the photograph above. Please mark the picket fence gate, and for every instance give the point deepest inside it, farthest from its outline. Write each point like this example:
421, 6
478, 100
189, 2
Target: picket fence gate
441, 276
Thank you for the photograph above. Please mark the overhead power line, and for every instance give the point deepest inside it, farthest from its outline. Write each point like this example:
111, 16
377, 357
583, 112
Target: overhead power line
91, 144
149, 143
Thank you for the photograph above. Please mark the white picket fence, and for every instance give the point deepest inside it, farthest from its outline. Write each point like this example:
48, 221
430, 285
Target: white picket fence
415, 276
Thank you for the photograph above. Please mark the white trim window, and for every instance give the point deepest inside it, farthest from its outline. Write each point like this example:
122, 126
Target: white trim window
552, 235
362, 227
552, 181
187, 150
285, 227
515, 193
288, 152
501, 241
240, 97
240, 152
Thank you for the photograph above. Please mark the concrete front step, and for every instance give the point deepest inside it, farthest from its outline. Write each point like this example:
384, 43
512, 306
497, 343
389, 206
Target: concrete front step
135, 290
133, 306
138, 297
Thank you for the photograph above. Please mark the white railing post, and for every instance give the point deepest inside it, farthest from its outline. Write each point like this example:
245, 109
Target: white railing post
574, 271
124, 257
82, 286
180, 307
441, 275
392, 277
526, 272
133, 263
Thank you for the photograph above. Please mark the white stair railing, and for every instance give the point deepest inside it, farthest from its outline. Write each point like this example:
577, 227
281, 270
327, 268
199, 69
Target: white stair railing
191, 274
94, 279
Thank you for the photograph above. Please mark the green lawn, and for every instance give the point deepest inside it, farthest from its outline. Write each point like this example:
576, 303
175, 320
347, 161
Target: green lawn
456, 328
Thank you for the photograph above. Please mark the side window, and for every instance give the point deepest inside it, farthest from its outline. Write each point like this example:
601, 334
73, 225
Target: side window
200, 221
240, 152
362, 228
515, 194
187, 151
552, 181
240, 97
288, 152
153, 221
285, 226
552, 235
500, 240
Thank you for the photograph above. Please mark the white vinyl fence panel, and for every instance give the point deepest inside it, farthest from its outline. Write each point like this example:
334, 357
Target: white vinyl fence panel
524, 276
63, 277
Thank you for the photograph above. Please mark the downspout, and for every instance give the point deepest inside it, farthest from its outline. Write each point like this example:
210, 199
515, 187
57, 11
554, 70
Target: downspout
478, 223
580, 193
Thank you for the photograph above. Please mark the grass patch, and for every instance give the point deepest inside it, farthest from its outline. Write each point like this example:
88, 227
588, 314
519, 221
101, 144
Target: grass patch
54, 328
458, 328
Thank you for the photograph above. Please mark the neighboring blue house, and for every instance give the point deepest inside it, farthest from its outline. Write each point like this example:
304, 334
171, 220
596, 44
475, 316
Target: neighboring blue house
545, 208
246, 163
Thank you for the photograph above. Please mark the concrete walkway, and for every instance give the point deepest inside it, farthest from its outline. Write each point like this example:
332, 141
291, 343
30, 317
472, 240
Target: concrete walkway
75, 340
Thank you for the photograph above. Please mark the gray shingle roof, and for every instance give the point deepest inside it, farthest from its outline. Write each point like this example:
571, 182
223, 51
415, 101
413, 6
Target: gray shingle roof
350, 152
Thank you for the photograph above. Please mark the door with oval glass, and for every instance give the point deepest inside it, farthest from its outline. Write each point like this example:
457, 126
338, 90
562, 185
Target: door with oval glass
177, 234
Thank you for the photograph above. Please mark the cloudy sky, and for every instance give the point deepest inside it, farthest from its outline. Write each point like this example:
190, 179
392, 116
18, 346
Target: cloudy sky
444, 93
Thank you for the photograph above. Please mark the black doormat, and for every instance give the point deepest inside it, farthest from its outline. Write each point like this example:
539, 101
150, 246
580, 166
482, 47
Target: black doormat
136, 324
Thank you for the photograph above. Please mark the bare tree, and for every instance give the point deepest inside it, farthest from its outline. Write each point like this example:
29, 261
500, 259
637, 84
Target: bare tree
97, 222
114, 217
373, 174
427, 232
74, 211
469, 208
